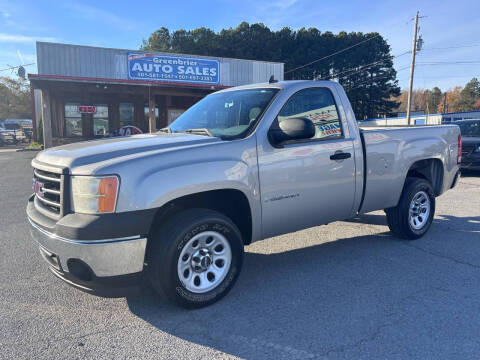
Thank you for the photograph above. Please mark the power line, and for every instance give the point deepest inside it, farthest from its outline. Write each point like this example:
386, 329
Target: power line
335, 53
363, 67
449, 77
452, 47
374, 78
449, 62
355, 70
15, 67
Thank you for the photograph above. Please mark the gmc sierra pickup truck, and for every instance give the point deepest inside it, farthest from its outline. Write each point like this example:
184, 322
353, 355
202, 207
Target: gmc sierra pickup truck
241, 165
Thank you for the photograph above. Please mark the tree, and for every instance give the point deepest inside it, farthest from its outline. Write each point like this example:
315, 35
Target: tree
434, 99
453, 100
366, 71
476, 106
469, 95
15, 100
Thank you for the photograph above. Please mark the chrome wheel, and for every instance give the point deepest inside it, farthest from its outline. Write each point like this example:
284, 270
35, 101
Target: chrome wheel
419, 211
204, 262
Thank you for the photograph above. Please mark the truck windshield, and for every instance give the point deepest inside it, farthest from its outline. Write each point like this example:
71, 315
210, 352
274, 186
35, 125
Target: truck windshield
227, 115
470, 128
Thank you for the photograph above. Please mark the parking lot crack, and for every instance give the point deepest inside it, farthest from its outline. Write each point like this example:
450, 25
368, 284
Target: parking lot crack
442, 256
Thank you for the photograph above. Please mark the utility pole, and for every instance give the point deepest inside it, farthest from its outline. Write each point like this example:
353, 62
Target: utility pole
412, 69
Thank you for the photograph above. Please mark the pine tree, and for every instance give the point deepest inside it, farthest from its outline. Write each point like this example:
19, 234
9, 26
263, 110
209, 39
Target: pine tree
366, 71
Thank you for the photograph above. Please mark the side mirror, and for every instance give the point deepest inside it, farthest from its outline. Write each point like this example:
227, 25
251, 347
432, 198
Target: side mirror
292, 129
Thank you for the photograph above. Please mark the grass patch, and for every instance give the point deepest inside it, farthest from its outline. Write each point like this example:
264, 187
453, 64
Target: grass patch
34, 146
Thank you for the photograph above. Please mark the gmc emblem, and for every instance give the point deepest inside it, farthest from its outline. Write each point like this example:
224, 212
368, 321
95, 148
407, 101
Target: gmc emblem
38, 188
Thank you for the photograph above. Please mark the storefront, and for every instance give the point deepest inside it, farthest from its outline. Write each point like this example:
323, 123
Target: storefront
88, 92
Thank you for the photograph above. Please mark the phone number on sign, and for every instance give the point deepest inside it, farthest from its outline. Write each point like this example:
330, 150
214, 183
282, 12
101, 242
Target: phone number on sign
175, 77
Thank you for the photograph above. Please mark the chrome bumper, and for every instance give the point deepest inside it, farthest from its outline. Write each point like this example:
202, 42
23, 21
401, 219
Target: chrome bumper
107, 257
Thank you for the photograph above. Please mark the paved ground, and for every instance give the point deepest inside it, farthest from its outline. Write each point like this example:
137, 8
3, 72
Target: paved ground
346, 290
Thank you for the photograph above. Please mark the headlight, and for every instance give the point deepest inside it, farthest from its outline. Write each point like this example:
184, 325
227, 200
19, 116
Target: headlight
93, 195
477, 149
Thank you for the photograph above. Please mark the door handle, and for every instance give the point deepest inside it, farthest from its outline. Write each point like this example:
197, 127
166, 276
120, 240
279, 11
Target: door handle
340, 156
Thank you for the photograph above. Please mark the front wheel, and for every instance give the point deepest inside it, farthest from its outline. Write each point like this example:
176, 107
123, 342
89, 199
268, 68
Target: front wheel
413, 215
196, 257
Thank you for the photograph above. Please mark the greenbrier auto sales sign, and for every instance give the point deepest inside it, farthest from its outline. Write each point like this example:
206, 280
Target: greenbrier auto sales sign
153, 67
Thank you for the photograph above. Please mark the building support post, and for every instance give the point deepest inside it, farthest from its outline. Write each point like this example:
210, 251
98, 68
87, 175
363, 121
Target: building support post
46, 119
412, 69
34, 114
152, 126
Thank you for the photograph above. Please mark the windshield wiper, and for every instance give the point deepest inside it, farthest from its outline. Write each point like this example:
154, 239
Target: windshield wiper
200, 131
166, 130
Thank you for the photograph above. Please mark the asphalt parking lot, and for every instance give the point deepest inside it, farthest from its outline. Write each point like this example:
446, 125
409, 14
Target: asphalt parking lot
348, 290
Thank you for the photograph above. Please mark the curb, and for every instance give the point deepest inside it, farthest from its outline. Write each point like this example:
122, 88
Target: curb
22, 150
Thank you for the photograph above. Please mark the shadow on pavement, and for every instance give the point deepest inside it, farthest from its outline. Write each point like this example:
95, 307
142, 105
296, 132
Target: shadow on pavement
316, 301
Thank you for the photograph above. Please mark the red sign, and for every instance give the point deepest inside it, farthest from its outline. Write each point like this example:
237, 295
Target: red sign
38, 188
87, 109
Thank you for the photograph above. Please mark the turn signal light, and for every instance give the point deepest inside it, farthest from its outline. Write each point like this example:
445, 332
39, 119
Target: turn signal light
107, 191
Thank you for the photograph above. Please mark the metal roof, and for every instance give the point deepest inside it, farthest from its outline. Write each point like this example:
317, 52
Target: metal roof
87, 63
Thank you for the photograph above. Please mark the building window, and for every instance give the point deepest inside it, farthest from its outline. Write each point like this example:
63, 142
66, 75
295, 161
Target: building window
127, 111
73, 120
100, 121
173, 114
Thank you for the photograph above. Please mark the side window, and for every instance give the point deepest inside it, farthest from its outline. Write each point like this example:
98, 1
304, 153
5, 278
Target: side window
317, 105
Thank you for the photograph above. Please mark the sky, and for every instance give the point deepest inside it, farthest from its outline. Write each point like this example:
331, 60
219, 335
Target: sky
449, 30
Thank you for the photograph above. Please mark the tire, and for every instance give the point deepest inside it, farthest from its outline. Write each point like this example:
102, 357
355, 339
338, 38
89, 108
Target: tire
412, 224
192, 274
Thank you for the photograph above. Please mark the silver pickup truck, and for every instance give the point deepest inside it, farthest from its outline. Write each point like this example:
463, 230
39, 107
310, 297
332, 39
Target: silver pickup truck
242, 165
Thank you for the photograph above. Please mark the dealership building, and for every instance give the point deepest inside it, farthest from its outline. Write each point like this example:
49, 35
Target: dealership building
86, 92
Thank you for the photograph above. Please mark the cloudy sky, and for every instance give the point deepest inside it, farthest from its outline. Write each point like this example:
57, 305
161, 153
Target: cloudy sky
451, 54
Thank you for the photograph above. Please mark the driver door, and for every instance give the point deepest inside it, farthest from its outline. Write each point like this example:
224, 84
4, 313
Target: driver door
305, 183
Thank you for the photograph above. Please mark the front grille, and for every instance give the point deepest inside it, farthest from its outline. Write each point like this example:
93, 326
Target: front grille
48, 191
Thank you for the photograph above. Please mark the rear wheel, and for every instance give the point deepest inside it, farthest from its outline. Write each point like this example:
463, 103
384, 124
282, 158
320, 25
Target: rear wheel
196, 257
413, 215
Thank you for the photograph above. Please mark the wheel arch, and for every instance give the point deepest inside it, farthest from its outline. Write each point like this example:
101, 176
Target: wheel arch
429, 169
233, 203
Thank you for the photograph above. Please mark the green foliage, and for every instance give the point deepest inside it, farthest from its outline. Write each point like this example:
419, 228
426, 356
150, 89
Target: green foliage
431, 101
371, 85
40, 131
35, 146
15, 101
469, 95
434, 99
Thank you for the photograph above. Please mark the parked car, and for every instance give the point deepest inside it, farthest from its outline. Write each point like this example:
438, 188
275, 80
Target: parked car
470, 130
11, 133
241, 165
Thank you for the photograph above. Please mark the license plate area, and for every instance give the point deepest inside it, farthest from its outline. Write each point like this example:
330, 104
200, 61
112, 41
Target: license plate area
51, 258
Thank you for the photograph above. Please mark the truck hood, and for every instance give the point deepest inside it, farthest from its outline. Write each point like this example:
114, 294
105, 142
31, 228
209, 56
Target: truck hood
94, 151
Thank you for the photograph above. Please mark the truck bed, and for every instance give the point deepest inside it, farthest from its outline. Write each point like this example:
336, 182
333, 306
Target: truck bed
389, 153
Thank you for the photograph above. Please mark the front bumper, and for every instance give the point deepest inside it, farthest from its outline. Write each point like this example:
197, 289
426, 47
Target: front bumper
96, 266
111, 257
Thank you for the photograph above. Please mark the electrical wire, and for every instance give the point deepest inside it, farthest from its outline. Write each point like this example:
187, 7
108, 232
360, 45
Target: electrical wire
333, 54
14, 67
374, 78
451, 47
448, 62
363, 67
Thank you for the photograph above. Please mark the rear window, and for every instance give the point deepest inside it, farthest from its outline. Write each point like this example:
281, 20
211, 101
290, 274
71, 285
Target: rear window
470, 128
